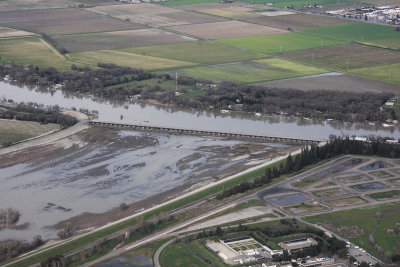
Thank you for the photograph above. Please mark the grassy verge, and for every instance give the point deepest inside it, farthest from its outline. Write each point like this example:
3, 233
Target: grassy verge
12, 131
383, 217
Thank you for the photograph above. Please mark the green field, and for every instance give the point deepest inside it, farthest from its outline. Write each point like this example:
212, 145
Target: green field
202, 52
180, 255
34, 51
185, 2
382, 217
387, 73
253, 71
368, 33
280, 42
126, 59
12, 131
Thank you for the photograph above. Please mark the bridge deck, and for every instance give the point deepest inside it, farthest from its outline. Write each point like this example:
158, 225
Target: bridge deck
203, 132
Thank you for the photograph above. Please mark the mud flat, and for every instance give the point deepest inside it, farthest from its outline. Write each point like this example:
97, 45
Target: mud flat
87, 175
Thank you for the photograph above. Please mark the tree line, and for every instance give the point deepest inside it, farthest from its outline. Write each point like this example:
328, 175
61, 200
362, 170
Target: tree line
34, 112
112, 82
314, 154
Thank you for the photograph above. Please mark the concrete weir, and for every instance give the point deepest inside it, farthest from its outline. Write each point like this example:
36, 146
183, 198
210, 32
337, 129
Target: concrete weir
259, 138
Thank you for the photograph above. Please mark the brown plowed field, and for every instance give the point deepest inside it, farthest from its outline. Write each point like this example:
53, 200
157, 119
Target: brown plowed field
296, 22
63, 21
334, 82
351, 55
154, 15
118, 39
226, 29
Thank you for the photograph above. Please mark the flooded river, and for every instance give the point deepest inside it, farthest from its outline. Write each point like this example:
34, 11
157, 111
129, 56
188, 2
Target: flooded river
146, 114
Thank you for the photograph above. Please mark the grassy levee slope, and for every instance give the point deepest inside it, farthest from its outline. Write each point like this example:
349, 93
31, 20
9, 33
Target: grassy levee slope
112, 229
368, 33
280, 42
33, 50
382, 217
202, 52
253, 71
12, 131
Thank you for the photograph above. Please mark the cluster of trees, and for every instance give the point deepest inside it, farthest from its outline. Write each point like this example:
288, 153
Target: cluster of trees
54, 44
110, 81
54, 261
314, 154
34, 112
102, 82
9, 217
12, 248
320, 104
66, 232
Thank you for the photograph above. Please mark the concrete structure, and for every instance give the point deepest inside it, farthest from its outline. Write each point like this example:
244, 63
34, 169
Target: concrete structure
297, 244
204, 133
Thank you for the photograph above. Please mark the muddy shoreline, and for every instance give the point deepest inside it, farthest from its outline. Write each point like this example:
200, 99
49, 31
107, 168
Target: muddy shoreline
84, 177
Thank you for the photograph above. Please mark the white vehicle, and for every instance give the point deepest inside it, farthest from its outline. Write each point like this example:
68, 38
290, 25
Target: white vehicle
357, 247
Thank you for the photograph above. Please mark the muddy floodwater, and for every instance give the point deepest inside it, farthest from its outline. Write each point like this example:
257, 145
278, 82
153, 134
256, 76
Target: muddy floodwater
98, 169
145, 114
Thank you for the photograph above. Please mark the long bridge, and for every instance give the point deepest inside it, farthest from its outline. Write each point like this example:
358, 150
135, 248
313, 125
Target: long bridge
178, 131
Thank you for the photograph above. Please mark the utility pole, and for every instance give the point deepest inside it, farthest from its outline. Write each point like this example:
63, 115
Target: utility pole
347, 63
176, 81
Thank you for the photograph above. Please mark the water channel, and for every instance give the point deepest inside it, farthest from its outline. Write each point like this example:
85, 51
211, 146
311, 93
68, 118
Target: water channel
146, 114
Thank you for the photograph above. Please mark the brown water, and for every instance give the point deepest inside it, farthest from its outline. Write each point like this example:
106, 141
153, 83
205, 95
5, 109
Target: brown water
146, 114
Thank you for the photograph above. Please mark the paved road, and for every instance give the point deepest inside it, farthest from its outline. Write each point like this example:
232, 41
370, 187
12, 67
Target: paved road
158, 252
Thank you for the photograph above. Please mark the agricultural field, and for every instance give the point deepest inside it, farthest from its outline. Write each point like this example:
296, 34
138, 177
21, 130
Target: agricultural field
382, 217
346, 57
386, 73
32, 50
12, 131
334, 81
154, 15
296, 22
185, 2
368, 33
232, 12
63, 21
203, 52
280, 42
117, 39
7, 5
344, 202
8, 33
126, 59
225, 29
252, 71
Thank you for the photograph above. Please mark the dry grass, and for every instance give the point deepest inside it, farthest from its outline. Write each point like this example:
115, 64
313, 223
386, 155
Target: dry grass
12, 131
